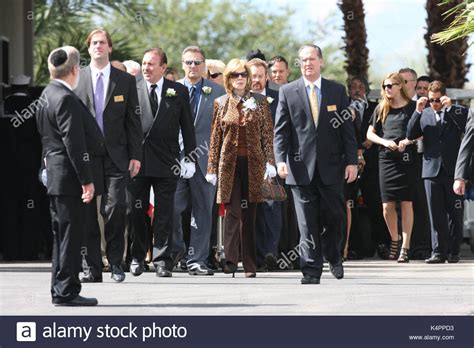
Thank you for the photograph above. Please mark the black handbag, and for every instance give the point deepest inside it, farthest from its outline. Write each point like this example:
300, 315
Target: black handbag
272, 190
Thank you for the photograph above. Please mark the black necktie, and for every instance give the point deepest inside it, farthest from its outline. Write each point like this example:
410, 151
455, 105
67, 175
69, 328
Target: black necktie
438, 118
192, 100
153, 99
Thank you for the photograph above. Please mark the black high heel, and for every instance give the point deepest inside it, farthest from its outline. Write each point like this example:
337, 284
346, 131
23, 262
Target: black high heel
403, 256
230, 267
394, 245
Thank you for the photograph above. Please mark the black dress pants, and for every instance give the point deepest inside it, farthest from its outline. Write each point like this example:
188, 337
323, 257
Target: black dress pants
164, 190
67, 216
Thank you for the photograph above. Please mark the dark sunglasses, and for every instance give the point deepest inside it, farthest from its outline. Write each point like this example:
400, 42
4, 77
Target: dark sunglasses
435, 100
390, 85
235, 75
190, 62
215, 75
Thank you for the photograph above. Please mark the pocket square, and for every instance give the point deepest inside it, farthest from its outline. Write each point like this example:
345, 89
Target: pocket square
118, 98
332, 108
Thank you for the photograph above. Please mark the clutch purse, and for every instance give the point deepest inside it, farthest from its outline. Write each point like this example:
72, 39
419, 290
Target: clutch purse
272, 190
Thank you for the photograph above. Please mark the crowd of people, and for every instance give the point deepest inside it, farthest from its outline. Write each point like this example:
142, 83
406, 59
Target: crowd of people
119, 137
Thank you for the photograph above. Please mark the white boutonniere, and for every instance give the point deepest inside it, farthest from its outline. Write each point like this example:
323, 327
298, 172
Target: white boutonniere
170, 92
270, 100
250, 104
207, 90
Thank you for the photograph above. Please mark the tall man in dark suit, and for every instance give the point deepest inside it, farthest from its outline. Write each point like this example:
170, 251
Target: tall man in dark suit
69, 177
268, 222
111, 96
441, 126
316, 149
196, 189
165, 111
462, 173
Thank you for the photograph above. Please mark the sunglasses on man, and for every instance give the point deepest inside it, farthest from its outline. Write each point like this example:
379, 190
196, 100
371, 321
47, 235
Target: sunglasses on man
435, 100
191, 62
215, 75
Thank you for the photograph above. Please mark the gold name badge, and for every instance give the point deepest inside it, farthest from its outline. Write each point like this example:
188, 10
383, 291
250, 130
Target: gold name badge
118, 98
332, 108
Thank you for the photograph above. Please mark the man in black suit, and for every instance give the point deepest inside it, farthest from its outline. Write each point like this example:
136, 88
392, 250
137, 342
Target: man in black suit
462, 173
111, 96
316, 149
165, 111
441, 126
268, 222
69, 178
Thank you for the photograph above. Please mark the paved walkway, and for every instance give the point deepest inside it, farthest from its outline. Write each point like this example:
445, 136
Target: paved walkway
369, 287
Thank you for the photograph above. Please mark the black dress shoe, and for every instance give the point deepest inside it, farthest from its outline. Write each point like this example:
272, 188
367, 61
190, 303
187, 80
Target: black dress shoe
453, 259
118, 274
271, 262
436, 259
89, 278
198, 269
337, 270
78, 301
137, 267
307, 279
163, 272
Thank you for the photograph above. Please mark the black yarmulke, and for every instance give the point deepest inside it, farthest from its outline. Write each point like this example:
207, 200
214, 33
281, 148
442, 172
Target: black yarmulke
59, 57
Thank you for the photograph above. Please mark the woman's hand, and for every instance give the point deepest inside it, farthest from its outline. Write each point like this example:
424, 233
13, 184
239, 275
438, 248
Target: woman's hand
390, 144
402, 145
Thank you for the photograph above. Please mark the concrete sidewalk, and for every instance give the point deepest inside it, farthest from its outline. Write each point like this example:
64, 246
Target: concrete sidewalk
370, 287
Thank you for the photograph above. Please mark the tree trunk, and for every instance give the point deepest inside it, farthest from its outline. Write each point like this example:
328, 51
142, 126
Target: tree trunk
355, 39
446, 63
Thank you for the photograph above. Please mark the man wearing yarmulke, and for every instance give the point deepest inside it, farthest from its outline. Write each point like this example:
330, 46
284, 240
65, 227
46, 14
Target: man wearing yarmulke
69, 174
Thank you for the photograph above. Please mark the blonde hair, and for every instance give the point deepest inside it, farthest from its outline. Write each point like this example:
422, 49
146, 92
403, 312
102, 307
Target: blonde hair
233, 66
384, 106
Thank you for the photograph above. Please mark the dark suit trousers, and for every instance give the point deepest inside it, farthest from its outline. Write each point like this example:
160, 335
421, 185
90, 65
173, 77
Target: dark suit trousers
164, 190
113, 208
420, 238
91, 241
369, 185
67, 216
321, 217
240, 221
444, 203
268, 228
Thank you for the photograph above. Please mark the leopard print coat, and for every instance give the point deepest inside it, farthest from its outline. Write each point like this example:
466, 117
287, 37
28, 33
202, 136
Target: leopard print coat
224, 141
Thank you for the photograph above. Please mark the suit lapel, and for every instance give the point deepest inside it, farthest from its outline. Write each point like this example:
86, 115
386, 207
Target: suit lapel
203, 102
89, 89
144, 100
301, 92
323, 103
112, 83
163, 107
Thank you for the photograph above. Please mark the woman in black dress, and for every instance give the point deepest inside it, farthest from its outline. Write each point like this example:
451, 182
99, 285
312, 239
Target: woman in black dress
388, 129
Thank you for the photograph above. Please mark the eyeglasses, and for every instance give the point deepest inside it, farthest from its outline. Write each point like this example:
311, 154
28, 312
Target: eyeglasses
215, 75
235, 75
435, 100
190, 62
390, 85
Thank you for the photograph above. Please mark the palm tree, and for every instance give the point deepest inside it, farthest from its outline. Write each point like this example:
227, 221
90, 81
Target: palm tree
461, 26
446, 62
68, 22
355, 39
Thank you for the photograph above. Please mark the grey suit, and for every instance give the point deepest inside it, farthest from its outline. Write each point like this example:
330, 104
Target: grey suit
316, 159
197, 190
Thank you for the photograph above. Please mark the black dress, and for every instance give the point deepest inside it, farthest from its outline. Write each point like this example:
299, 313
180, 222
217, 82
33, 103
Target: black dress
396, 170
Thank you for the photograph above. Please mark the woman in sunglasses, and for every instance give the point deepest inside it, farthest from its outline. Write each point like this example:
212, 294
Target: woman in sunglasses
389, 130
240, 156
